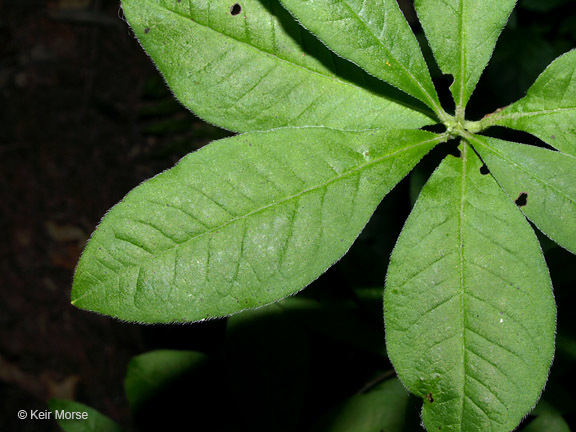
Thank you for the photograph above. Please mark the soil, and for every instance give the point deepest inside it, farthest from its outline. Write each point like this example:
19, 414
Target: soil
81, 105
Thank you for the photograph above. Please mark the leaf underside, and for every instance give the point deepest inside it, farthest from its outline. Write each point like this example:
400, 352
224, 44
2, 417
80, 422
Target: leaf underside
241, 223
549, 108
258, 69
469, 310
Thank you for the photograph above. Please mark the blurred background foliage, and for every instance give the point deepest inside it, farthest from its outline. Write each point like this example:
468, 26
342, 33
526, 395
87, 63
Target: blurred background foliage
84, 118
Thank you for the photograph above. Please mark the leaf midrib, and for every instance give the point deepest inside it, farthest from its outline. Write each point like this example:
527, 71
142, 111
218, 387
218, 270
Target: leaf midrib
389, 53
462, 284
517, 115
284, 60
462, 59
521, 168
154, 256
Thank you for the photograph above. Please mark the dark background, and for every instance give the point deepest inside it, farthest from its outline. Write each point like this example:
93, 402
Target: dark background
85, 117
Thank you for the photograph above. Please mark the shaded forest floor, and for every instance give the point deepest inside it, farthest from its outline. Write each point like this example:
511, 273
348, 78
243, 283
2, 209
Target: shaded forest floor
81, 107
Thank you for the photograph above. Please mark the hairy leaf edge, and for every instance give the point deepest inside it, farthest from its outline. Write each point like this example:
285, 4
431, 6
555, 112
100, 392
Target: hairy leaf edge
76, 300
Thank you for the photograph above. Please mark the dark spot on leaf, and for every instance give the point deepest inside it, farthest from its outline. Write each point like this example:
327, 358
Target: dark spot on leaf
235, 9
146, 30
522, 199
430, 397
484, 170
553, 137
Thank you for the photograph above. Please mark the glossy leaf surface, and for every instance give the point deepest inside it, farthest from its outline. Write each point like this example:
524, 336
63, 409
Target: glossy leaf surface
254, 68
382, 409
542, 182
469, 310
96, 421
241, 223
151, 372
547, 423
549, 108
373, 34
462, 34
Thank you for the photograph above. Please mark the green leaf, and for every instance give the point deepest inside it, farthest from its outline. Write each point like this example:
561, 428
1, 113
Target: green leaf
151, 372
267, 367
468, 303
462, 34
373, 34
95, 421
542, 182
379, 410
549, 108
259, 69
547, 423
241, 223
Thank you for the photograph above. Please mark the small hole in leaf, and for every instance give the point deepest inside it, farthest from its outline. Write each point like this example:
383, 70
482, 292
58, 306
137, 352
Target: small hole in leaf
235, 9
430, 397
146, 30
484, 170
522, 199
455, 152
